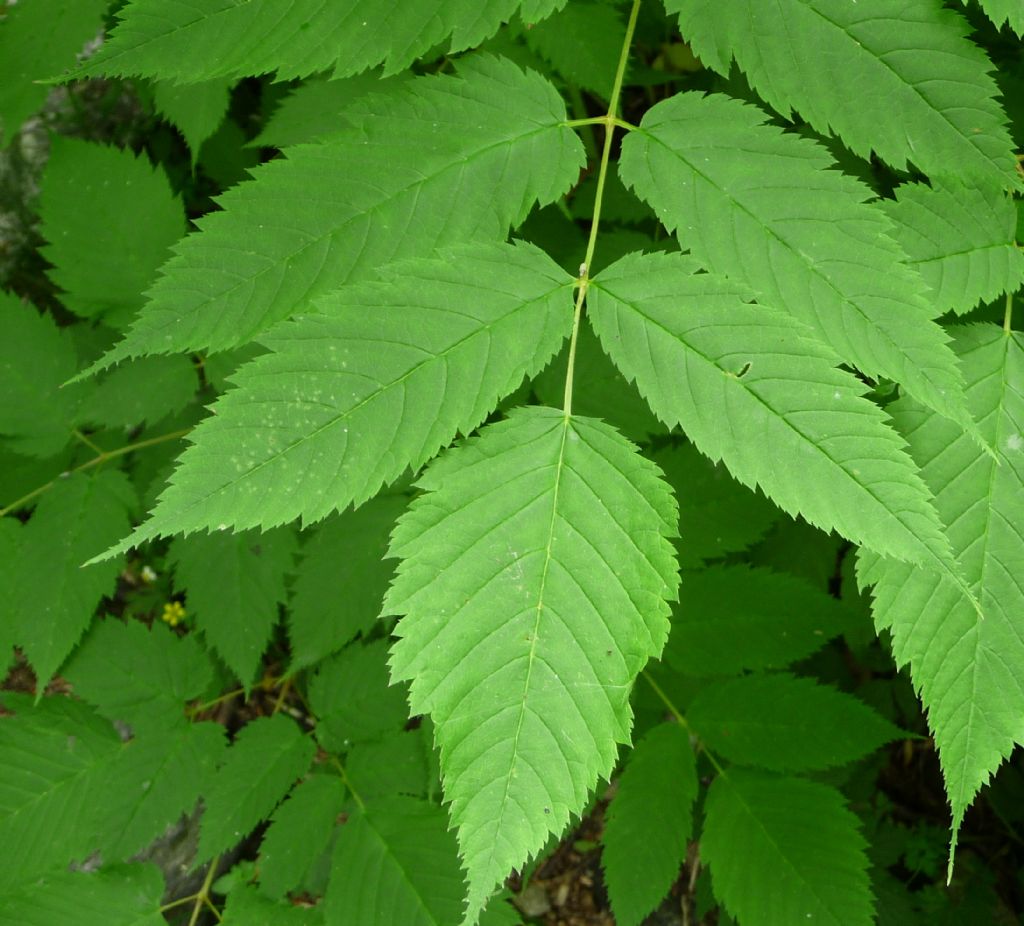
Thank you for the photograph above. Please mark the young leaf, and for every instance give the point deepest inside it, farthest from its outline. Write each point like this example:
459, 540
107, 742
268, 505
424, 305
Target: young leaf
376, 383
195, 110
291, 38
648, 823
395, 865
234, 585
53, 792
37, 416
352, 700
785, 851
734, 618
37, 40
135, 674
341, 580
785, 723
533, 577
750, 388
110, 218
924, 92
266, 758
967, 671
960, 239
126, 895
761, 207
379, 191
55, 595
299, 832
158, 776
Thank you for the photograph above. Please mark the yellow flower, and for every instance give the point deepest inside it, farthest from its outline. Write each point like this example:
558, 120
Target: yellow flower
174, 613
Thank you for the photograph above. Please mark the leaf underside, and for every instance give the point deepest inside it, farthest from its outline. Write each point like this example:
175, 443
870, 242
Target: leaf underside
533, 577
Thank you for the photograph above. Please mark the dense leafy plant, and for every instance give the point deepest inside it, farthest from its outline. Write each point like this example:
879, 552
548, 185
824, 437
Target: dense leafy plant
667, 449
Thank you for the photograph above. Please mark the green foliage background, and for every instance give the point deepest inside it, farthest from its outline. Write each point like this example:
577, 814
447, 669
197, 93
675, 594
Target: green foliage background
562, 437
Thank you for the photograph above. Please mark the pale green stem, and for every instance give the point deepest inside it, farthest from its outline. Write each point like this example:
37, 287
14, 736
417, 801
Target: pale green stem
94, 447
1008, 315
680, 719
610, 121
95, 461
204, 892
348, 784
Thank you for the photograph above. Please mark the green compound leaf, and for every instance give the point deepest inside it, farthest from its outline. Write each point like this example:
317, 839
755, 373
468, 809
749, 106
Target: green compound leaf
533, 578
55, 596
195, 110
785, 723
341, 580
146, 390
264, 761
968, 672
38, 39
352, 699
960, 240
750, 388
158, 776
246, 906
395, 764
581, 42
784, 851
648, 823
290, 38
128, 895
762, 207
37, 416
491, 138
924, 92
234, 584
733, 618
395, 865
110, 219
138, 674
53, 792
384, 377
299, 833
718, 515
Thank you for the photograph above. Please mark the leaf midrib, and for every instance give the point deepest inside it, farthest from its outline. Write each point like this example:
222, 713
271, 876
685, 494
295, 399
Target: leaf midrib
774, 414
